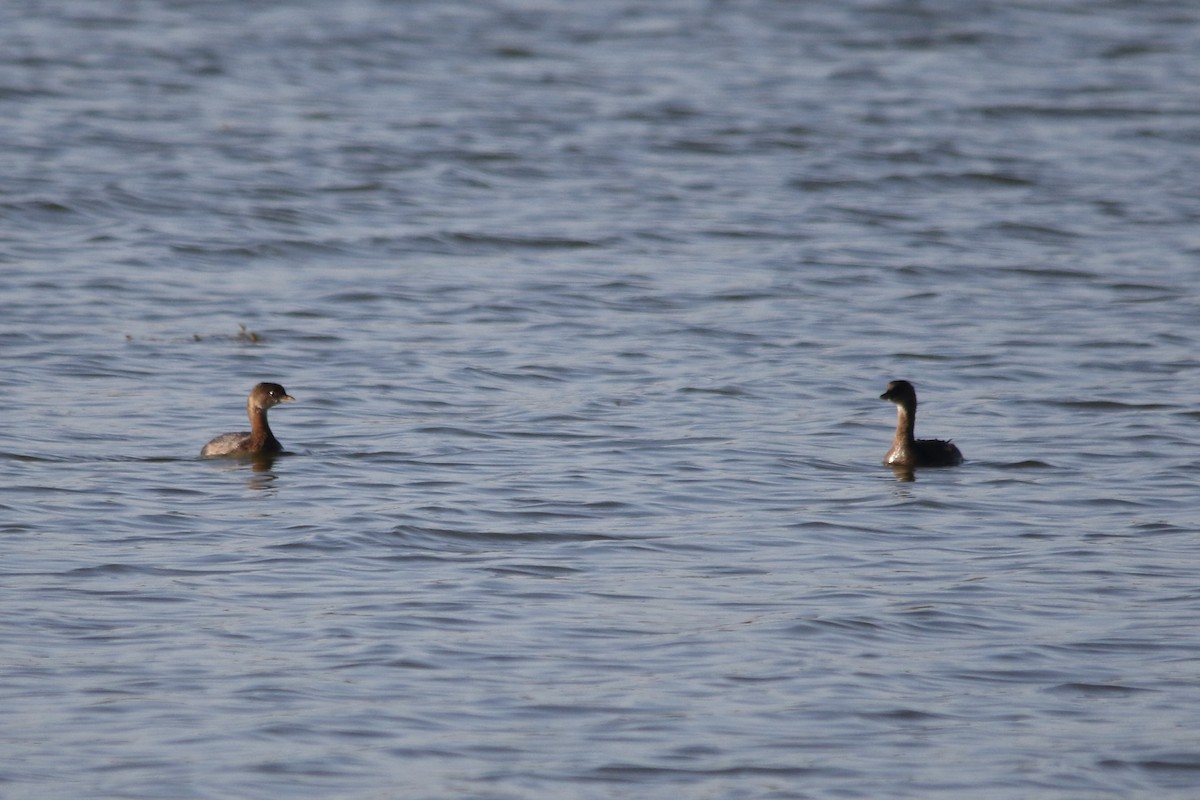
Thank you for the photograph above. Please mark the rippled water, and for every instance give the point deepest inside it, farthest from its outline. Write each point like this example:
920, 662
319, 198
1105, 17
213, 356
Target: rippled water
587, 308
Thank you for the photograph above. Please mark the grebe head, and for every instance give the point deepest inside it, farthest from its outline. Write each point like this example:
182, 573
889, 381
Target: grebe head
265, 395
901, 393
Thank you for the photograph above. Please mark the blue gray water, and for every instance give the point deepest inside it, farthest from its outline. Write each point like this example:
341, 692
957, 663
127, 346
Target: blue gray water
587, 308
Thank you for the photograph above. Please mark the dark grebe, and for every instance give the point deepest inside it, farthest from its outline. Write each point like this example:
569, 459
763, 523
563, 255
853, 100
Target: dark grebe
258, 440
908, 451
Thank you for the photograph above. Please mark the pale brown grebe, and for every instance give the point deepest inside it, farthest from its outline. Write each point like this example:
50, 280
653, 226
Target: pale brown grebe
907, 450
258, 440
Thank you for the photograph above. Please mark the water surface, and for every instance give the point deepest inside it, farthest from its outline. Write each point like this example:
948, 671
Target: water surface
587, 308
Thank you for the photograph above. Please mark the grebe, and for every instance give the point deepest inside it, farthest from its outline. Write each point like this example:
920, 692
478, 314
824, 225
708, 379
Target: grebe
908, 451
258, 440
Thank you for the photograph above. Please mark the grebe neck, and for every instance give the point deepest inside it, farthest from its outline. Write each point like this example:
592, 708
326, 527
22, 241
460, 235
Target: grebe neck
260, 431
906, 425
906, 422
